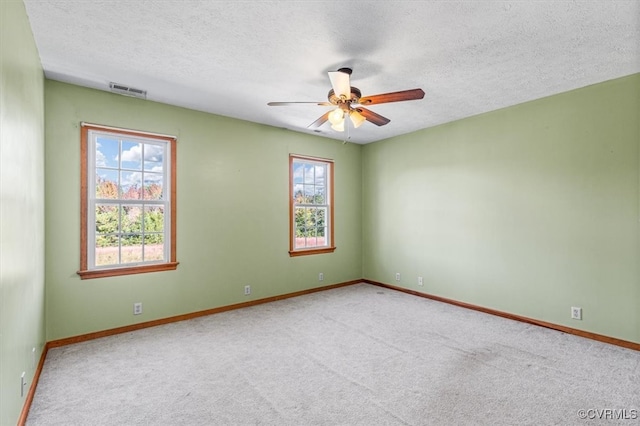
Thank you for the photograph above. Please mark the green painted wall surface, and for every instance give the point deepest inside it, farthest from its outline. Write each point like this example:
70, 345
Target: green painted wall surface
530, 209
21, 208
232, 218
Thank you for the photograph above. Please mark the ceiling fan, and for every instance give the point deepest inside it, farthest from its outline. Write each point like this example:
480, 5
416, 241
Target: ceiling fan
349, 102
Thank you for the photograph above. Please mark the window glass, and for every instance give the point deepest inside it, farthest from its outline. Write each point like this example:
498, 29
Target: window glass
311, 200
130, 215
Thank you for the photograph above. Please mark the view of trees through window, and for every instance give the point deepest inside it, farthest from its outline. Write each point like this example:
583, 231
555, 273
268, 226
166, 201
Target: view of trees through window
129, 207
311, 206
310, 222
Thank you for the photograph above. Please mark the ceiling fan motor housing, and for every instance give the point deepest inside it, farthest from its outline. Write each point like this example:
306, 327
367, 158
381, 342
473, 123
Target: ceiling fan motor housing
354, 97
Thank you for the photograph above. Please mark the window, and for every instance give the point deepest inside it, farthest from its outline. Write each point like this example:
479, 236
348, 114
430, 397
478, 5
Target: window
310, 205
128, 195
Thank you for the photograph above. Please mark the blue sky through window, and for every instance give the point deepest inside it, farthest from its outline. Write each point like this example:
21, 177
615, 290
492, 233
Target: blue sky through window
309, 178
129, 162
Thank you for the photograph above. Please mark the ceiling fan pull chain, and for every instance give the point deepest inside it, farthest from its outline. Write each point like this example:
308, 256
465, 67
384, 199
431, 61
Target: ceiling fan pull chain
346, 123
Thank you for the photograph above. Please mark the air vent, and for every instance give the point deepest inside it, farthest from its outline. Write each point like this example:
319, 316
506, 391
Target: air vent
128, 91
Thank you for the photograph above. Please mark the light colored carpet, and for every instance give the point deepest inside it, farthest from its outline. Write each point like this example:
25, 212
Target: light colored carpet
358, 355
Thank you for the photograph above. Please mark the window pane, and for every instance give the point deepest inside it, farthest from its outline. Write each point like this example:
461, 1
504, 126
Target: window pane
153, 219
321, 226
107, 219
320, 174
308, 193
311, 240
298, 196
319, 195
298, 171
310, 218
132, 253
131, 185
107, 231
107, 184
107, 151
153, 186
309, 173
131, 219
131, 155
299, 227
107, 250
321, 216
153, 247
153, 157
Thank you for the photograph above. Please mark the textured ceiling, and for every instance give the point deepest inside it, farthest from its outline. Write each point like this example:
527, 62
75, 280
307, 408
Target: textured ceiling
232, 57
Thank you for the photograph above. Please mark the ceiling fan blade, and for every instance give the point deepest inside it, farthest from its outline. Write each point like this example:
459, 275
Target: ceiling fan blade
404, 95
340, 83
373, 117
320, 121
297, 103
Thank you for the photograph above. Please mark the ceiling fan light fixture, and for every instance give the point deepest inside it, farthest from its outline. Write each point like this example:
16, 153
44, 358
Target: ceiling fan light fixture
338, 127
356, 118
336, 116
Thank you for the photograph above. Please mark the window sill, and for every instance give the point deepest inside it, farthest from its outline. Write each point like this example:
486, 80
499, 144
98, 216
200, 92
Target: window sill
102, 273
294, 253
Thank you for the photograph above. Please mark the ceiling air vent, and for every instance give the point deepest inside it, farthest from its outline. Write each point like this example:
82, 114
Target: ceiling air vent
128, 91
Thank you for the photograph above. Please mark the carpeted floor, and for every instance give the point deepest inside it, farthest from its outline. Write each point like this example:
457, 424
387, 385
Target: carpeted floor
358, 355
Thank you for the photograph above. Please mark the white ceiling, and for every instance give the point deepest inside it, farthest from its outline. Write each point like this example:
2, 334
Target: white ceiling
232, 57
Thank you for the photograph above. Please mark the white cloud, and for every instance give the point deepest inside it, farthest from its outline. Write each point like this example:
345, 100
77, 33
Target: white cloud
151, 153
101, 160
135, 178
129, 179
320, 175
310, 177
132, 154
152, 178
317, 177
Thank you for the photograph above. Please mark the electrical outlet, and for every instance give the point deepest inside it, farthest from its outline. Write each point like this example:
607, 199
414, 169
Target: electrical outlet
576, 313
420, 281
23, 384
320, 276
247, 290
33, 358
137, 308
397, 276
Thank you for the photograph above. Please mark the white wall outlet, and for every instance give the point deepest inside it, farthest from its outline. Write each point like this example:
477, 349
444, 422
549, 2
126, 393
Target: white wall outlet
576, 313
420, 281
247, 290
137, 308
33, 358
397, 276
23, 384
320, 276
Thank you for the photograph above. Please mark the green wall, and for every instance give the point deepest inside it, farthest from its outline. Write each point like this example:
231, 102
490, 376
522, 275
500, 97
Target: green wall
21, 208
530, 209
232, 214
